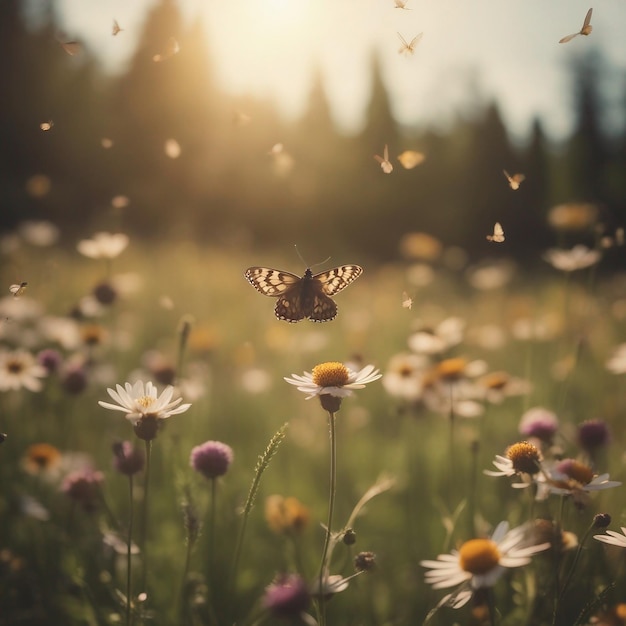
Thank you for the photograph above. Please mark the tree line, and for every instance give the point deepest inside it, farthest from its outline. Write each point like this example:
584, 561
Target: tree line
104, 163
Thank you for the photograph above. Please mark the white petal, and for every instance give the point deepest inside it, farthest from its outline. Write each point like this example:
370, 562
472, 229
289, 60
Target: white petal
113, 407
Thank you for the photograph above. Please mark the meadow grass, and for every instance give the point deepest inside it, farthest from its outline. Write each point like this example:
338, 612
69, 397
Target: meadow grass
55, 567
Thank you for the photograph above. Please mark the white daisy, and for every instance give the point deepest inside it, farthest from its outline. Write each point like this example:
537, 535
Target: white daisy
103, 245
480, 562
613, 538
617, 363
139, 402
404, 376
40, 233
20, 369
333, 379
447, 333
573, 478
522, 458
577, 258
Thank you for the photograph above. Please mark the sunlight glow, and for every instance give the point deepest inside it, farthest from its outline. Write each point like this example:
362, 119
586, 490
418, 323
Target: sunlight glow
269, 48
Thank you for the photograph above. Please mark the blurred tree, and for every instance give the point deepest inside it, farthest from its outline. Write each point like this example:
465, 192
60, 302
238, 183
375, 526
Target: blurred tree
487, 196
372, 199
588, 150
40, 83
537, 193
315, 145
15, 160
380, 125
324, 169
165, 112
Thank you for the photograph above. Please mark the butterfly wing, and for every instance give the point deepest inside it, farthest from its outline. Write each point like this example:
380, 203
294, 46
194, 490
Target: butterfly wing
292, 307
338, 278
324, 308
587, 21
71, 47
270, 282
498, 233
568, 38
415, 40
405, 46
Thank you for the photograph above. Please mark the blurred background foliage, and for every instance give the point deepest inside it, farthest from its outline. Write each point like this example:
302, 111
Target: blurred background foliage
226, 187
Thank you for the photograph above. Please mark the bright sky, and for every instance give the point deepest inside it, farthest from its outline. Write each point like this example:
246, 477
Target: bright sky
469, 47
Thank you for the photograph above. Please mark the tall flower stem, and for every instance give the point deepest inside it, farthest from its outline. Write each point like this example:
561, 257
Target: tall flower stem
579, 550
183, 610
129, 550
451, 451
491, 606
183, 337
331, 508
262, 464
212, 531
144, 518
211, 565
557, 560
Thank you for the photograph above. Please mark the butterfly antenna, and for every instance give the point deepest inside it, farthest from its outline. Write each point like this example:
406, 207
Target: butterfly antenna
295, 245
305, 263
321, 262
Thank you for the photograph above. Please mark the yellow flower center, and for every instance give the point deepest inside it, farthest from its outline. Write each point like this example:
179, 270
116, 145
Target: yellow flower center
496, 380
405, 371
451, 369
145, 401
92, 334
331, 374
14, 366
577, 471
525, 457
42, 455
479, 556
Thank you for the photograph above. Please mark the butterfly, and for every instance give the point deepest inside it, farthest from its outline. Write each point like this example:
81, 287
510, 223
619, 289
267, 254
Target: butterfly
303, 297
410, 159
71, 47
116, 29
409, 48
18, 290
514, 181
498, 234
585, 30
407, 301
401, 4
384, 161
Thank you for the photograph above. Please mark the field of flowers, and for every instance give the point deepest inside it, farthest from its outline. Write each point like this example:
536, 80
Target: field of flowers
460, 460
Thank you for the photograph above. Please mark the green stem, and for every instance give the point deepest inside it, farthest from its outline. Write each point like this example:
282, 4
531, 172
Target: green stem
261, 466
491, 606
557, 554
183, 609
211, 566
575, 561
331, 507
212, 530
129, 550
185, 329
144, 518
